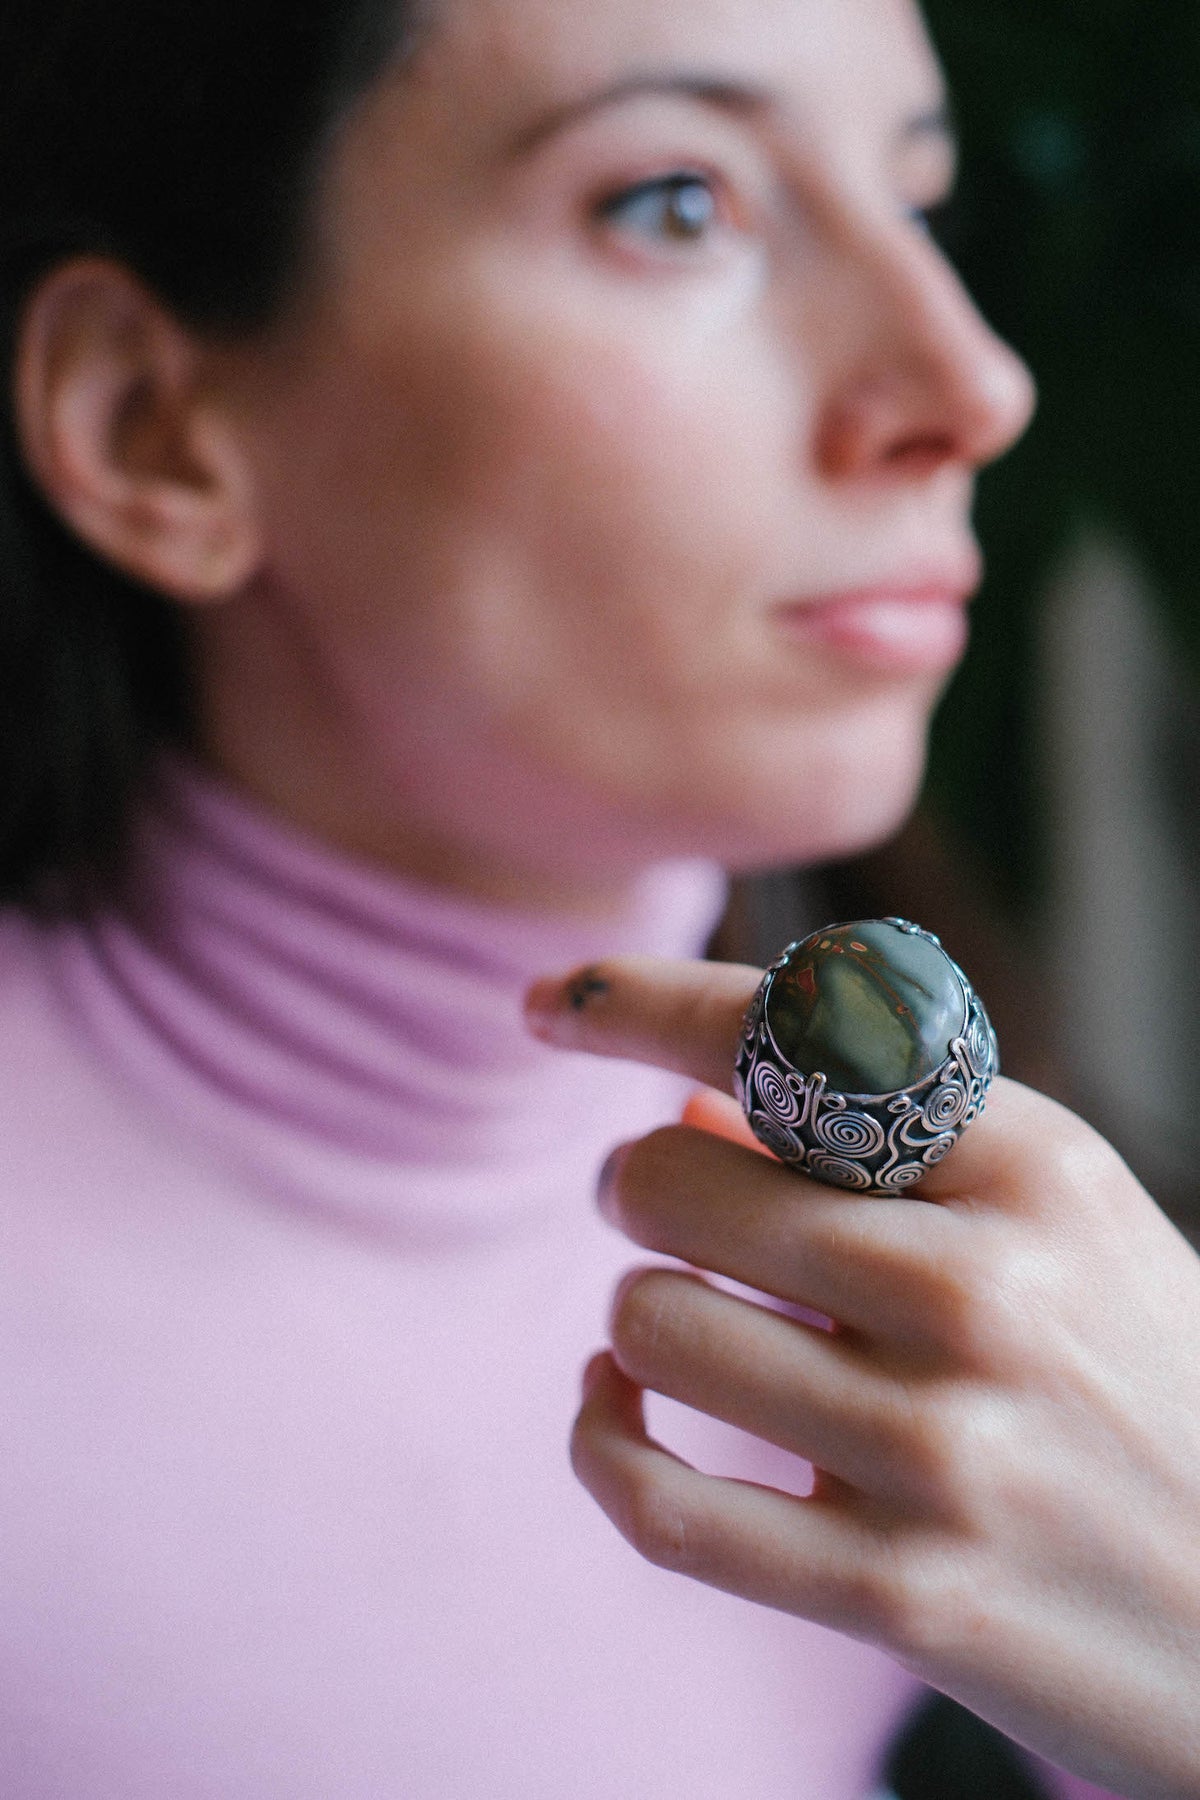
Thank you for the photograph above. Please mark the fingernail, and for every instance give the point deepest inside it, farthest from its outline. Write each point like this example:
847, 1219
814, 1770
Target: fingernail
554, 1005
606, 1183
593, 1370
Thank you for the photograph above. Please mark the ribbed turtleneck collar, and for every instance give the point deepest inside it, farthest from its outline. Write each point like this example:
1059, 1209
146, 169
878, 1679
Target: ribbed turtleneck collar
353, 1037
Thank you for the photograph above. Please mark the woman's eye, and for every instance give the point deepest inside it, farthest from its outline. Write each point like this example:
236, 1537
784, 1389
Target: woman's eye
680, 209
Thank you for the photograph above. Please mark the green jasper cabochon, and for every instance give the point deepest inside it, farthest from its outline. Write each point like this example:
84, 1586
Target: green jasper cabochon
873, 1008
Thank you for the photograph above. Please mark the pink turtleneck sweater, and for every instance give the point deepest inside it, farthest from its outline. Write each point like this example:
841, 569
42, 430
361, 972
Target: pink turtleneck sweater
298, 1270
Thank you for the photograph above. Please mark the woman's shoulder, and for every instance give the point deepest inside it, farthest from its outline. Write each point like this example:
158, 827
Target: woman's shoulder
26, 956
31, 1012
77, 1141
42, 1054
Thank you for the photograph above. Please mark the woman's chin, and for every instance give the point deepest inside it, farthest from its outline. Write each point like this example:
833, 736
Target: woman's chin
840, 807
812, 842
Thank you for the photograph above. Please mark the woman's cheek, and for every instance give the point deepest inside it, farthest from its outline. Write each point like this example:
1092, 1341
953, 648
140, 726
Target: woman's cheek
665, 492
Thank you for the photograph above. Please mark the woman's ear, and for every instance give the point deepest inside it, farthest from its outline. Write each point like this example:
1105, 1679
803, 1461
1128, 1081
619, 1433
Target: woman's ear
124, 442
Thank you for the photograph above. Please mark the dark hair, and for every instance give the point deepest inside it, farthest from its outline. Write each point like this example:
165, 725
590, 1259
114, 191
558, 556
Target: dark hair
184, 139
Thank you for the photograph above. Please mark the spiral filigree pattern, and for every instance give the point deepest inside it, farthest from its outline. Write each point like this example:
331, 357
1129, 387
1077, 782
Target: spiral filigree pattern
946, 1107
936, 1152
779, 1141
838, 1171
981, 1042
902, 1176
848, 1133
780, 1096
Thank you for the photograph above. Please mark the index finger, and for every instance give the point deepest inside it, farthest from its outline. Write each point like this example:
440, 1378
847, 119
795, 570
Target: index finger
682, 1016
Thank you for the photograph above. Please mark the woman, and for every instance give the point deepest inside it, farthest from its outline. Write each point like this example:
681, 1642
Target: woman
503, 456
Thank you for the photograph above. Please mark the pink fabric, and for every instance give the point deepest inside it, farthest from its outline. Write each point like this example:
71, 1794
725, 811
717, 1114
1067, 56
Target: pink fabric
299, 1267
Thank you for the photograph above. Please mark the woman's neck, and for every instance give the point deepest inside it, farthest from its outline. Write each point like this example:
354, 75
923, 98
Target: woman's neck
283, 744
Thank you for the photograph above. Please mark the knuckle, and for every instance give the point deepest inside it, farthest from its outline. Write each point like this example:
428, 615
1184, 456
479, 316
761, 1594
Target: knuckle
1085, 1167
958, 1453
980, 1300
641, 1321
876, 1597
919, 1444
1065, 1159
655, 1523
924, 1600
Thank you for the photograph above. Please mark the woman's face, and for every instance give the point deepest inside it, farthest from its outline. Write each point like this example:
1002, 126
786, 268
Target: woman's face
615, 471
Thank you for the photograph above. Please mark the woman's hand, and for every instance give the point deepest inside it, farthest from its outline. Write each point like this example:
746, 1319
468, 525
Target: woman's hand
1005, 1420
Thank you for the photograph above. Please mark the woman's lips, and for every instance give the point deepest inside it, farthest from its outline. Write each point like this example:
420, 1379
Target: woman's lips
901, 630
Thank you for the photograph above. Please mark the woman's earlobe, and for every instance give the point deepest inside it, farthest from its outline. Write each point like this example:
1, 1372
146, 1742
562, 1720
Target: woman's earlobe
121, 438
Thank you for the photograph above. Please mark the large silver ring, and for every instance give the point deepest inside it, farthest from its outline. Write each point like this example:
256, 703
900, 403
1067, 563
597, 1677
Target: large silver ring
865, 1055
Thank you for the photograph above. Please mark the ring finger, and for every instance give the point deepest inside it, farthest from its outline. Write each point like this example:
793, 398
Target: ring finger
811, 1392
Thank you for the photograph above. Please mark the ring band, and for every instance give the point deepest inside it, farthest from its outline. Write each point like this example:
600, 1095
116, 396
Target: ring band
865, 1055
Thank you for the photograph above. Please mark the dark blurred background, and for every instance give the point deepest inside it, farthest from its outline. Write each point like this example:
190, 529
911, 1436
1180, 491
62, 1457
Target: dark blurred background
1078, 229
1058, 846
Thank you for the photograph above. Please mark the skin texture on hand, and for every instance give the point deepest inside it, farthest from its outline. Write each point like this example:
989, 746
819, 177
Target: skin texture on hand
1005, 1420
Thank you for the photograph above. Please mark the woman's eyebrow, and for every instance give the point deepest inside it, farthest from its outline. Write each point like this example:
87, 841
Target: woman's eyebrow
736, 97
742, 99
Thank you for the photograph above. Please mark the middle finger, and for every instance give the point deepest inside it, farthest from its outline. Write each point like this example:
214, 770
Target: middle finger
875, 1265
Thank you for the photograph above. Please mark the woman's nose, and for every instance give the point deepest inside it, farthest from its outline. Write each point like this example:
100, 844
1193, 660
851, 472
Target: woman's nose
923, 382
